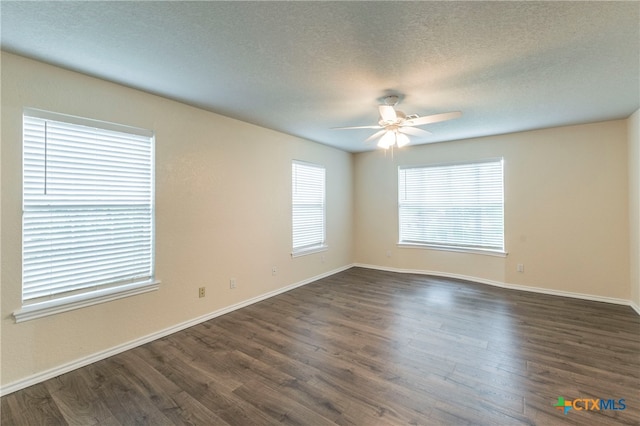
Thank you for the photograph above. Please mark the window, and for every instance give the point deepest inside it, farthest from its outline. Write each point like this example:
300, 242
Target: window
88, 213
308, 208
455, 206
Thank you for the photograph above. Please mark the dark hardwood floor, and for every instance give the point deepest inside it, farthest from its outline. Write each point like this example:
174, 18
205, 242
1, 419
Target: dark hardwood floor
365, 347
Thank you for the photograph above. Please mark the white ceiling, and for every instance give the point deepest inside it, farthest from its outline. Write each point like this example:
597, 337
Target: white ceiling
304, 67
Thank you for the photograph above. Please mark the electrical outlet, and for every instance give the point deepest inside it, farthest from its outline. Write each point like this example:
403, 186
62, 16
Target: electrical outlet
388, 253
274, 270
322, 259
520, 267
201, 292
232, 283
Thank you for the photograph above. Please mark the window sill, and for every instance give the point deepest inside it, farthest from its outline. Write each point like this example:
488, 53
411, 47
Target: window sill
497, 253
55, 306
311, 250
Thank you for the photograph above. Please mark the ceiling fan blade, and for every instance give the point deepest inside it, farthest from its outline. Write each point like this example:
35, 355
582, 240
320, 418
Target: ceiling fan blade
387, 113
428, 119
356, 127
414, 131
375, 135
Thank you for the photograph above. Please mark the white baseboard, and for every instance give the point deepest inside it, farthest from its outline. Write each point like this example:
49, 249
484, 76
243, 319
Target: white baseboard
98, 356
552, 292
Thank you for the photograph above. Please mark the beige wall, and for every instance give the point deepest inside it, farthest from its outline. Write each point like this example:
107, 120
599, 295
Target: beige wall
223, 211
566, 214
634, 205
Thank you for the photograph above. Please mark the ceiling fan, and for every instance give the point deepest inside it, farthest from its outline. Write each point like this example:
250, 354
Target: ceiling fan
395, 126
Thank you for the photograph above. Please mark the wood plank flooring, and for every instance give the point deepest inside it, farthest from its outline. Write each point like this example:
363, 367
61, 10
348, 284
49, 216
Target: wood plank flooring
364, 347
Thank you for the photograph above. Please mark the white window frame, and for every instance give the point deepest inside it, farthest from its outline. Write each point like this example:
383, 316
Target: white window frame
472, 241
44, 296
312, 194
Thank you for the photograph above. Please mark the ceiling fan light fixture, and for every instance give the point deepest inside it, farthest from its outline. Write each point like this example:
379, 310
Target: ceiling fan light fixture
387, 140
393, 137
401, 139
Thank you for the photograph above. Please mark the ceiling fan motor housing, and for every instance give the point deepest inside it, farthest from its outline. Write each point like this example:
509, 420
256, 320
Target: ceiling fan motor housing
391, 100
400, 117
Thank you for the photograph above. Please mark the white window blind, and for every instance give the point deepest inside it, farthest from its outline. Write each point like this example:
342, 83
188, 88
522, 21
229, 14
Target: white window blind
308, 207
88, 206
457, 206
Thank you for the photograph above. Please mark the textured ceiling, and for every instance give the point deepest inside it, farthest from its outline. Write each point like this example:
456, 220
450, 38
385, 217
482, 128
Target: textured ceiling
304, 67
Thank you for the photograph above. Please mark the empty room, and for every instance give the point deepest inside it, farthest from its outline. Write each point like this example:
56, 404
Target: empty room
315, 213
